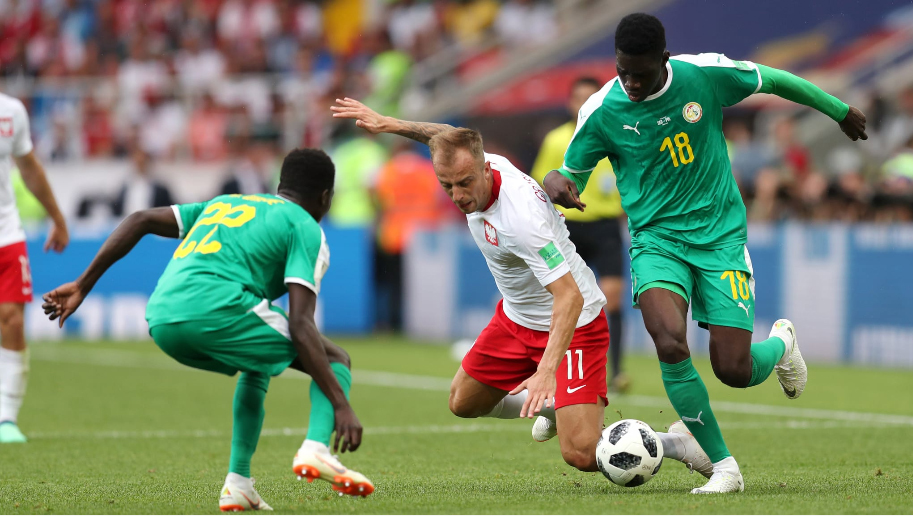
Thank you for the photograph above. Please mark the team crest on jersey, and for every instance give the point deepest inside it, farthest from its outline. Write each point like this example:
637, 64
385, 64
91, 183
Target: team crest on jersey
491, 234
6, 127
692, 112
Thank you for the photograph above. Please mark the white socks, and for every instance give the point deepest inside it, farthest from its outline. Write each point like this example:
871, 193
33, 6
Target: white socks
315, 446
509, 407
673, 447
238, 481
14, 369
728, 464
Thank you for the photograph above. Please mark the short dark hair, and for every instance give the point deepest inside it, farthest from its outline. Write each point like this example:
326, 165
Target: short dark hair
639, 34
307, 173
587, 80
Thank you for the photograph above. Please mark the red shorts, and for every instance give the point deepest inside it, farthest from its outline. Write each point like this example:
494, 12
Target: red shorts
15, 274
506, 353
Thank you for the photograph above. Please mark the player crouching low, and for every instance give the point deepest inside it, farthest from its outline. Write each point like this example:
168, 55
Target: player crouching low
544, 351
212, 310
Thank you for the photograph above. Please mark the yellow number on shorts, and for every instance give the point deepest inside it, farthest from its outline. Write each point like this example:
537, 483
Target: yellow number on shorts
738, 281
225, 215
685, 152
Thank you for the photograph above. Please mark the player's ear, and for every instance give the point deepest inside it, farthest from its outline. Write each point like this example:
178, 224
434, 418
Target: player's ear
666, 56
326, 200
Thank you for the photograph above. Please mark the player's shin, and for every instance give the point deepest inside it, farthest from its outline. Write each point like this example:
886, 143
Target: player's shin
248, 420
690, 400
323, 417
764, 356
509, 407
14, 368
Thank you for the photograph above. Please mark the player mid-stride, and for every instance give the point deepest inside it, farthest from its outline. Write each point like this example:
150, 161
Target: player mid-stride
212, 310
660, 124
544, 351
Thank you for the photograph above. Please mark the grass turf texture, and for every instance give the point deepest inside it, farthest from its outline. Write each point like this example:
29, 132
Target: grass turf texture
120, 428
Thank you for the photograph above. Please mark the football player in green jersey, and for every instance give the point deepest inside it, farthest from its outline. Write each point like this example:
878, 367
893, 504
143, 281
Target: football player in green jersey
212, 310
660, 124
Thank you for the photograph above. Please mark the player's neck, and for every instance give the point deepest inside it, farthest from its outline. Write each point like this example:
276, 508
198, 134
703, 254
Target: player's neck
663, 78
309, 207
494, 189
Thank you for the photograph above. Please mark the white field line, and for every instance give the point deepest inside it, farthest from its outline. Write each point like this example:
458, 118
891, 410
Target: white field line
475, 428
123, 358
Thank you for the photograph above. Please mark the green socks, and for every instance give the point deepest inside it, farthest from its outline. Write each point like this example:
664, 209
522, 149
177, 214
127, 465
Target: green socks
248, 420
764, 356
690, 400
323, 417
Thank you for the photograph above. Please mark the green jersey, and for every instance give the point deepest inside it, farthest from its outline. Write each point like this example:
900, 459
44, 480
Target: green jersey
237, 251
668, 152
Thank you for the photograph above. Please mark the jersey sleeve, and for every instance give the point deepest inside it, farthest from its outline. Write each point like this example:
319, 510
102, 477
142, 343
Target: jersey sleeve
732, 81
790, 87
551, 156
187, 215
589, 144
307, 259
533, 241
22, 137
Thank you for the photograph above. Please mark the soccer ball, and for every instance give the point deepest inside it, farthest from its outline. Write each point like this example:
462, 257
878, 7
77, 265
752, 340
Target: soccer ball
629, 453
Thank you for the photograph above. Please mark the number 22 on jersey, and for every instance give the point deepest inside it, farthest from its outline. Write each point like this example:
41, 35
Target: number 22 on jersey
683, 144
225, 215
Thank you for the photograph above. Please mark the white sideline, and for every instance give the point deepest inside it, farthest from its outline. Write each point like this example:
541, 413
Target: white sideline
124, 358
474, 428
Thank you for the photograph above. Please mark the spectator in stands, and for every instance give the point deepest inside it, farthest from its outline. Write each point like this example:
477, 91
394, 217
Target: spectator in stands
206, 131
245, 173
198, 67
140, 75
526, 23
164, 125
408, 21
408, 197
245, 21
470, 20
898, 126
97, 128
141, 191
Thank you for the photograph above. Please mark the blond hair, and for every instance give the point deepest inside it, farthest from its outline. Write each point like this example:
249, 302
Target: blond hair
444, 145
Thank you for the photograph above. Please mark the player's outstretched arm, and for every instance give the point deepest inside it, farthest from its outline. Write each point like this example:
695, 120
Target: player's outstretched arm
37, 182
313, 359
791, 87
375, 123
65, 299
565, 312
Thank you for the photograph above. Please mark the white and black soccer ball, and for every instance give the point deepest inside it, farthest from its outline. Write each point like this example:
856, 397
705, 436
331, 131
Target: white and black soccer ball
629, 453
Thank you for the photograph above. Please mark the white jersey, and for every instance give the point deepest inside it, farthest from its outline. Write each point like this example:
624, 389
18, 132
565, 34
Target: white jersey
15, 141
527, 246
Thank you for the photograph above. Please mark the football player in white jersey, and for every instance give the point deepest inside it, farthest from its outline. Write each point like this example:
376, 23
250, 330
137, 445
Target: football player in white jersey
15, 275
544, 351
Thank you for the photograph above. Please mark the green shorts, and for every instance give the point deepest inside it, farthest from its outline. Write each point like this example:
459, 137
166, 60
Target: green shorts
257, 340
718, 283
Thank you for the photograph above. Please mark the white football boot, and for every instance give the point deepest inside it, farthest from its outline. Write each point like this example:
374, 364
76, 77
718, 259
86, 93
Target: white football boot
314, 460
544, 429
726, 479
236, 497
694, 458
791, 369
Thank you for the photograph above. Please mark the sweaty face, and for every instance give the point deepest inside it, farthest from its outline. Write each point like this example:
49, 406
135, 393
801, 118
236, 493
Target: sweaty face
466, 181
579, 96
641, 75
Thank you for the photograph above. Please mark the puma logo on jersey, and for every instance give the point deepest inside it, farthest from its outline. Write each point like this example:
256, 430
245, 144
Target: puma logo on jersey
629, 128
491, 234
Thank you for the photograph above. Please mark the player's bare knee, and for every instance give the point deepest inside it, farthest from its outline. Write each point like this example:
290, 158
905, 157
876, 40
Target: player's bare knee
582, 459
459, 406
671, 344
339, 355
732, 374
11, 316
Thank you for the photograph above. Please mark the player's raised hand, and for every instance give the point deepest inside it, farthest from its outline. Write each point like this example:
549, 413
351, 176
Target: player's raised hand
348, 428
541, 386
61, 302
853, 125
58, 238
562, 191
364, 117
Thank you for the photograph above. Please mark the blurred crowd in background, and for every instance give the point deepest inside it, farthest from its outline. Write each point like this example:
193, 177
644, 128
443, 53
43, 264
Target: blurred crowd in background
240, 82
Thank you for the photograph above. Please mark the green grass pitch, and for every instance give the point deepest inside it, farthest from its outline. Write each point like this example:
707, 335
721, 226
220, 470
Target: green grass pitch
120, 428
